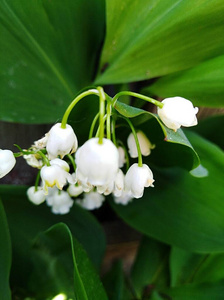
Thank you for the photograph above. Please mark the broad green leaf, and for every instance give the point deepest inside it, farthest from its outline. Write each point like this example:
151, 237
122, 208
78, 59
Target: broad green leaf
48, 52
203, 84
206, 291
211, 129
150, 266
114, 283
151, 38
187, 267
5, 256
66, 266
170, 145
26, 220
183, 210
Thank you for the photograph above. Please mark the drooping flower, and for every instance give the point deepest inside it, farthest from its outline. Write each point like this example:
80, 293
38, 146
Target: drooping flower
119, 184
124, 198
60, 201
36, 196
144, 143
97, 164
7, 162
177, 112
56, 174
137, 178
74, 190
61, 141
122, 159
91, 200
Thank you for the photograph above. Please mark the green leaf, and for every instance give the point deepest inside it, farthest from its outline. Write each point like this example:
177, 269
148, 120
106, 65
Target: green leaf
66, 266
206, 291
150, 266
48, 51
5, 256
147, 39
183, 210
114, 283
187, 267
210, 128
26, 220
203, 84
175, 144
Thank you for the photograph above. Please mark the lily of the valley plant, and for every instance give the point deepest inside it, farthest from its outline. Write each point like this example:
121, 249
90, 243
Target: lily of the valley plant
100, 166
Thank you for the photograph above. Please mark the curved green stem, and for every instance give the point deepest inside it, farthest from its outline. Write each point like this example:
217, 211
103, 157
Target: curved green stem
72, 161
93, 125
113, 132
74, 102
108, 121
127, 93
37, 181
45, 159
136, 141
102, 112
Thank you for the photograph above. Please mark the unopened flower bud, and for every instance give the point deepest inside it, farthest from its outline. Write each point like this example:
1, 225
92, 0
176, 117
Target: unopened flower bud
36, 196
144, 143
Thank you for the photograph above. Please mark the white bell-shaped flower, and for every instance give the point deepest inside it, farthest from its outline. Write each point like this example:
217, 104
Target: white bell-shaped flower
91, 200
60, 202
122, 159
144, 143
124, 198
7, 162
106, 189
55, 174
61, 141
97, 164
137, 178
36, 196
177, 112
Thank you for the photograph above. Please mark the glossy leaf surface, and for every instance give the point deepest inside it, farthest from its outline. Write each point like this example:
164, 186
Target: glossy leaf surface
183, 210
151, 38
48, 53
203, 84
26, 220
67, 267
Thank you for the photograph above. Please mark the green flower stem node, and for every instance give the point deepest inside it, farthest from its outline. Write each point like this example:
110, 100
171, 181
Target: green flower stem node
37, 181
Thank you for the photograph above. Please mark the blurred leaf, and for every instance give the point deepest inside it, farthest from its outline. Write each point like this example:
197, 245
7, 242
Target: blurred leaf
203, 84
66, 266
5, 256
183, 210
150, 266
26, 220
48, 53
151, 38
114, 283
211, 129
176, 143
187, 267
206, 291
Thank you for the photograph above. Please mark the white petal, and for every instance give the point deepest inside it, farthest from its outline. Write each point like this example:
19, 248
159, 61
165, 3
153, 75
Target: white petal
7, 162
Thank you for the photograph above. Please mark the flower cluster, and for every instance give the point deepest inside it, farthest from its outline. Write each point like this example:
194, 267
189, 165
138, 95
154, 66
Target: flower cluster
101, 166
